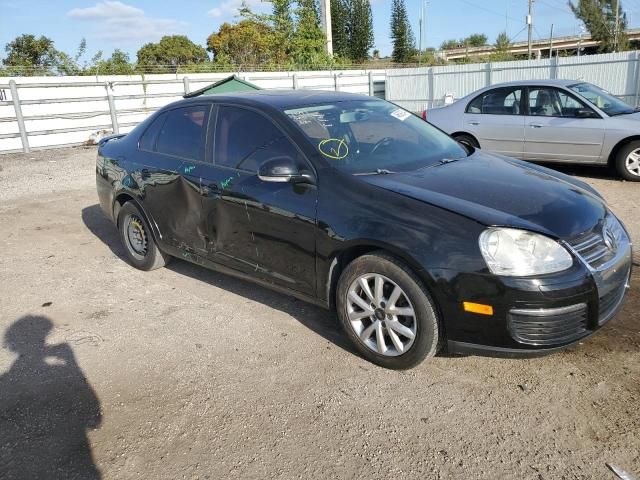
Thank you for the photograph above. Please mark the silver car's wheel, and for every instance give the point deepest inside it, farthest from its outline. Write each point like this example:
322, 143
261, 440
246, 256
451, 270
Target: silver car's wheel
381, 315
627, 161
632, 163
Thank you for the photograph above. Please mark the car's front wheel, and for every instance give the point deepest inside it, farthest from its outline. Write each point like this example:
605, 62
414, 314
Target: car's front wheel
387, 313
628, 161
139, 244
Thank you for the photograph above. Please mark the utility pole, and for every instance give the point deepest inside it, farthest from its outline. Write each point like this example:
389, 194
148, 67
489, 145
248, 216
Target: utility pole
325, 20
422, 22
617, 30
551, 42
530, 25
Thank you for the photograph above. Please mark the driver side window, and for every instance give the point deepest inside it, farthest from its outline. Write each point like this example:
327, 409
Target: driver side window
244, 140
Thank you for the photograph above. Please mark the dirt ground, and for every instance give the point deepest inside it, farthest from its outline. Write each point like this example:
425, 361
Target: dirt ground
186, 373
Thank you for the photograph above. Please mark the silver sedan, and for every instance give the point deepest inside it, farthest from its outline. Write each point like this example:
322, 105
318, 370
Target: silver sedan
547, 121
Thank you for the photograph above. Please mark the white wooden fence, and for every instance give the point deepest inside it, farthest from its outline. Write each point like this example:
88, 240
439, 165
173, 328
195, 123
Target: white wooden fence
43, 112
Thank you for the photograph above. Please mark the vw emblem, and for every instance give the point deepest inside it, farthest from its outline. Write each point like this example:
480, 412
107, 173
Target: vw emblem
609, 239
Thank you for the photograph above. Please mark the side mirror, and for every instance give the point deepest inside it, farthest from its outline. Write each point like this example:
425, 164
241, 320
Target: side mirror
282, 169
585, 113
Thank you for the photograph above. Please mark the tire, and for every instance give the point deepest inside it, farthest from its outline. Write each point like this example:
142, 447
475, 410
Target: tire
627, 161
364, 329
137, 239
466, 140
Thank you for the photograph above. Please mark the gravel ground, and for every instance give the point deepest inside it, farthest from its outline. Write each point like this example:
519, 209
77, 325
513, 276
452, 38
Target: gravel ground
186, 373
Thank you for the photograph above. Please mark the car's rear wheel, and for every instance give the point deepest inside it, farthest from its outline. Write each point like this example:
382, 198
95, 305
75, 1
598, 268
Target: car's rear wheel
466, 140
628, 161
386, 312
139, 244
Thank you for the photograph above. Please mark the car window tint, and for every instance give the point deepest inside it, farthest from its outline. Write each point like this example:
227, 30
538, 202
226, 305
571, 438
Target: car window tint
148, 139
245, 139
501, 101
184, 133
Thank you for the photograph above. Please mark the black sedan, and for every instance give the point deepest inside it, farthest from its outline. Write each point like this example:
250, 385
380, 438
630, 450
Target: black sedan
353, 203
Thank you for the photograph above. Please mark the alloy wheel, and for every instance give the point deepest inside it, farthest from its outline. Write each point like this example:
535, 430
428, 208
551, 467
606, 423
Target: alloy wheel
381, 315
633, 163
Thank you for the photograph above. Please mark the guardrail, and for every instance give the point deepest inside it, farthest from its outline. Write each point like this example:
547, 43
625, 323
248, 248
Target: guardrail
334, 81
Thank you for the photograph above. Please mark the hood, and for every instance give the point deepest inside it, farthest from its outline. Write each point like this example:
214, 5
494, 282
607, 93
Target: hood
496, 190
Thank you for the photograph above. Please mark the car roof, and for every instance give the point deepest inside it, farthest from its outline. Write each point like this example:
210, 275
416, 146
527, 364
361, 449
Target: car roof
280, 99
547, 82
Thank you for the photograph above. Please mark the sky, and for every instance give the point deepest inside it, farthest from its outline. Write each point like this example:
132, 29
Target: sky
128, 24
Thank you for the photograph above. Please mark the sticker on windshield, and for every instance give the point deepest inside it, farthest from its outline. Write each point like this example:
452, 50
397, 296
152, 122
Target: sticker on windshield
334, 148
400, 114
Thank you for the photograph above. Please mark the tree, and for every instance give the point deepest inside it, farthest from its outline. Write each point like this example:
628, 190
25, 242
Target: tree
172, 50
475, 40
246, 43
352, 29
283, 27
117, 64
450, 44
361, 40
502, 42
340, 27
68, 65
309, 43
28, 55
599, 16
404, 43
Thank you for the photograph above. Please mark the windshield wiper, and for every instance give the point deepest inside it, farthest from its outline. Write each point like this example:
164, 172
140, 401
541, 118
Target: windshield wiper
379, 171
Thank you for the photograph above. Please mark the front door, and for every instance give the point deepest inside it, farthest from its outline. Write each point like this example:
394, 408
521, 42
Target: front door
495, 119
559, 127
266, 229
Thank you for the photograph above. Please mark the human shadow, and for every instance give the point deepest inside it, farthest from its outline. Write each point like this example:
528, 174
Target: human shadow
316, 319
46, 408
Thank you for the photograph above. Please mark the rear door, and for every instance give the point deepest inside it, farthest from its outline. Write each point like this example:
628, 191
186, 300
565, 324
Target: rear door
173, 150
555, 132
495, 119
263, 228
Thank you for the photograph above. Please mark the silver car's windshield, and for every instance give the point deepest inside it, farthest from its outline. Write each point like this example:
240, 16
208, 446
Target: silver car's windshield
374, 136
602, 99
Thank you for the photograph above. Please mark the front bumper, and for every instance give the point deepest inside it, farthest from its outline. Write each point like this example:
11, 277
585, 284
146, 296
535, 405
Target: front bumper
533, 317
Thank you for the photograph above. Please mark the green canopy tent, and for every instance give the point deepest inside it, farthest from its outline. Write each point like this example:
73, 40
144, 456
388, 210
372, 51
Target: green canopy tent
226, 85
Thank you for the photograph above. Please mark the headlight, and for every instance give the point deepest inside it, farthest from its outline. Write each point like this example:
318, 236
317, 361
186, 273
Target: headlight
519, 253
616, 228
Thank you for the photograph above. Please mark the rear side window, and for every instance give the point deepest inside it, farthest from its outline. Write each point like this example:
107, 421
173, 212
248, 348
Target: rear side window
245, 139
184, 133
501, 101
148, 139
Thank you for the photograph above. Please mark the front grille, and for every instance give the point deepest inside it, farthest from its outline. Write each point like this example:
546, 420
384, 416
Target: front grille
609, 302
548, 326
592, 248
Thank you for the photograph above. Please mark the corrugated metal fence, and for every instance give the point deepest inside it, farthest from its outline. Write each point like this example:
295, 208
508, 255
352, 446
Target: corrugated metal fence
418, 89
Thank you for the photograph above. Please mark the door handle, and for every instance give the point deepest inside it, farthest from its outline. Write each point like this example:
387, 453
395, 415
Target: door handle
474, 123
535, 125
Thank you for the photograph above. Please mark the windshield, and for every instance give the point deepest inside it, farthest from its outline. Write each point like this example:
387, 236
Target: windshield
602, 99
374, 136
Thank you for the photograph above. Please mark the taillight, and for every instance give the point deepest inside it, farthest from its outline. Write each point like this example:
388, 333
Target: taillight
424, 115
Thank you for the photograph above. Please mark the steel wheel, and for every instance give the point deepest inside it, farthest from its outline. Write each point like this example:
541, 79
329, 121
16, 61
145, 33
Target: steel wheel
136, 236
632, 163
381, 315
